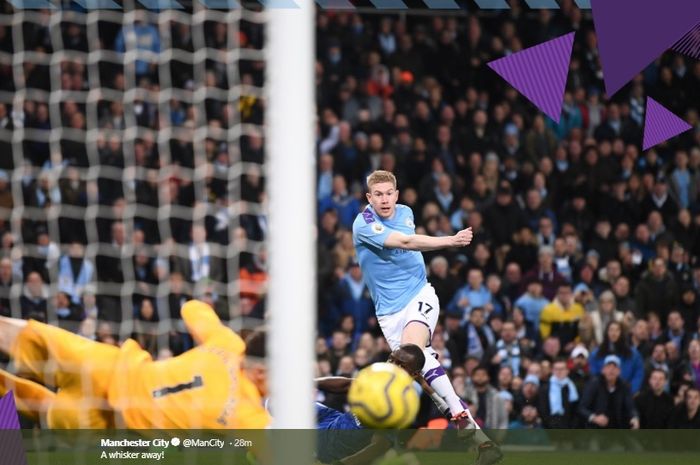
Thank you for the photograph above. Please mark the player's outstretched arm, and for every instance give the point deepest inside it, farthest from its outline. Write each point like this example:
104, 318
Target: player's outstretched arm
334, 384
9, 330
201, 320
423, 243
32, 399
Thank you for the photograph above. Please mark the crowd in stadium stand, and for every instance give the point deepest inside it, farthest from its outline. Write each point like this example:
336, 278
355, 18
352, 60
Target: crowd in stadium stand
112, 233
576, 305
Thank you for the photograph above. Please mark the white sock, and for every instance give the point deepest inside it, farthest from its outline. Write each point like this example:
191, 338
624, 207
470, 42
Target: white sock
436, 377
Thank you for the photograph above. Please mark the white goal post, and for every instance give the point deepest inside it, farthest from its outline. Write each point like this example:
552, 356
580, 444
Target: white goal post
291, 186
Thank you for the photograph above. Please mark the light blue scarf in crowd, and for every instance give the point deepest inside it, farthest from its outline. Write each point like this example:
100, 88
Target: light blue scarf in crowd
556, 405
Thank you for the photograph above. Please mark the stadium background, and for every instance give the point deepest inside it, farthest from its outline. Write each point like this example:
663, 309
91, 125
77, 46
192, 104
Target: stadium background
132, 181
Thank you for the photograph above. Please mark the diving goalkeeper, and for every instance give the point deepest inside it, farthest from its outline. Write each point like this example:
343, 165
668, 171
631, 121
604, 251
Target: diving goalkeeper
219, 384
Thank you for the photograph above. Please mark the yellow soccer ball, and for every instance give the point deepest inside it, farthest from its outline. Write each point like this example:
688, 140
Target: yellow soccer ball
383, 396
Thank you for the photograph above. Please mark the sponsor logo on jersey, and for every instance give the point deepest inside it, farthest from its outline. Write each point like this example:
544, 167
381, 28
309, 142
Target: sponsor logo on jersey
368, 216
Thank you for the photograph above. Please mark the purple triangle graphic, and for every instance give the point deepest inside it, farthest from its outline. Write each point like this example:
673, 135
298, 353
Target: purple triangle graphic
660, 124
689, 44
539, 73
8, 412
11, 444
633, 33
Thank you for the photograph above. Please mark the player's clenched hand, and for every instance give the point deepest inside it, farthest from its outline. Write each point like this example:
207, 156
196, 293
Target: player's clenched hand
463, 238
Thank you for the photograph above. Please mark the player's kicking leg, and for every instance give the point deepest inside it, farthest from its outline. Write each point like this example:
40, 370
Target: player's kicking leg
420, 319
415, 326
416, 332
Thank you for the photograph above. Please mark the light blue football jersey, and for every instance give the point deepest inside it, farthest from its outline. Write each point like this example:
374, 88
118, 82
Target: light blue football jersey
393, 276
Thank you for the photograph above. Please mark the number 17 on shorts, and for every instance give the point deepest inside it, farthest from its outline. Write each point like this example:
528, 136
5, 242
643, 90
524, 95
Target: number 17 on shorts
424, 308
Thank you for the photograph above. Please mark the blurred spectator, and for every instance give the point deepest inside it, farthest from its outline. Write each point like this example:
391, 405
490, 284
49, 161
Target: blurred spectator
343, 252
630, 363
536, 209
443, 194
500, 306
46, 192
200, 265
684, 184
75, 272
325, 177
478, 335
109, 260
528, 419
687, 414
472, 295
623, 298
540, 141
89, 303
660, 200
341, 201
604, 314
145, 326
6, 201
143, 37
503, 217
444, 282
579, 371
551, 348
529, 391
545, 273
443, 353
527, 333
507, 351
532, 303
87, 328
545, 234
675, 332
253, 277
654, 404
6, 280
561, 317
456, 338
658, 359
487, 407
639, 338
339, 346
607, 401
691, 369
352, 298
34, 298
559, 398
67, 311
657, 291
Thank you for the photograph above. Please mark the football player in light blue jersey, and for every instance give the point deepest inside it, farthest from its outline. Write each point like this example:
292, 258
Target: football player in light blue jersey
389, 252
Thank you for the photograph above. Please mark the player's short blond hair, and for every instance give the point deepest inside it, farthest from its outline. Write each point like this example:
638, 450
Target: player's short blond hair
380, 176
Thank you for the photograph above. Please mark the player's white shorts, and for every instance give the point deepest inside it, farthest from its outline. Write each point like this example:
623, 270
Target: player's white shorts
424, 308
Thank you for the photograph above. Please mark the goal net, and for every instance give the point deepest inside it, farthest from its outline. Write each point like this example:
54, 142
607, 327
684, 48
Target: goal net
134, 173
